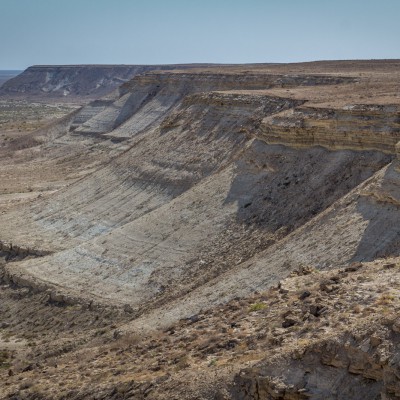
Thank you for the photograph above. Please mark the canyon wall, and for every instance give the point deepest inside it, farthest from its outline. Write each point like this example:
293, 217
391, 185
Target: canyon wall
74, 82
358, 127
197, 177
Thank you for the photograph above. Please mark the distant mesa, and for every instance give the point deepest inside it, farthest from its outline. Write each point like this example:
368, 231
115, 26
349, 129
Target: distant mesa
73, 82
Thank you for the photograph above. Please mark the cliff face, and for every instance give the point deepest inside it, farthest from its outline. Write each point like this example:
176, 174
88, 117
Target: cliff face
359, 127
147, 98
73, 82
198, 142
149, 226
206, 81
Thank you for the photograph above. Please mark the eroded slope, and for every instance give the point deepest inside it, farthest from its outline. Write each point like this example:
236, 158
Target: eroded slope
189, 200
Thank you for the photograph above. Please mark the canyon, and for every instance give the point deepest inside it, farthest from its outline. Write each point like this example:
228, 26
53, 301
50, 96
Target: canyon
202, 232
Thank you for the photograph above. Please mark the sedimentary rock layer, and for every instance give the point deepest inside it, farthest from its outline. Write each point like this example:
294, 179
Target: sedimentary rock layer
74, 82
358, 127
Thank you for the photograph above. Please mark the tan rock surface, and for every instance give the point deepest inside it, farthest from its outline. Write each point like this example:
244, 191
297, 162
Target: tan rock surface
142, 234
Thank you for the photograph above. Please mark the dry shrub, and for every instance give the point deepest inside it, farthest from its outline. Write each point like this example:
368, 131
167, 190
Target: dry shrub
126, 341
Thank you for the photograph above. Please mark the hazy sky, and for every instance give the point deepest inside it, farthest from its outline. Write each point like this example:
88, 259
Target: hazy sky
189, 31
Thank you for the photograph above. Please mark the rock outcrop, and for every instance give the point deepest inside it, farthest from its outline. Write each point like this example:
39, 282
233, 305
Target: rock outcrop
14, 252
330, 370
358, 127
73, 82
354, 352
147, 98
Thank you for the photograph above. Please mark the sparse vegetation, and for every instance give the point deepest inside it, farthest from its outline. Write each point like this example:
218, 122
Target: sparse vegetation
386, 299
212, 362
23, 116
257, 307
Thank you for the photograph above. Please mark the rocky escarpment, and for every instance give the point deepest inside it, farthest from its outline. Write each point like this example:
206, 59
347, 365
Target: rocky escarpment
144, 101
203, 158
73, 82
359, 127
193, 142
147, 98
187, 217
346, 368
352, 353
207, 81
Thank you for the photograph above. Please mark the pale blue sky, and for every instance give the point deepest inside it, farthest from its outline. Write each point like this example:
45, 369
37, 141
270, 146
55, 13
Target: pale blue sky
178, 31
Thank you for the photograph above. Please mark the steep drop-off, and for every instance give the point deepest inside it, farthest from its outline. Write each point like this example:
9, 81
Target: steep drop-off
195, 194
355, 126
205, 221
73, 82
